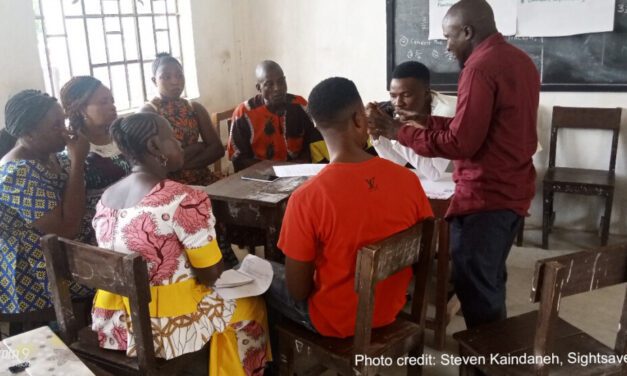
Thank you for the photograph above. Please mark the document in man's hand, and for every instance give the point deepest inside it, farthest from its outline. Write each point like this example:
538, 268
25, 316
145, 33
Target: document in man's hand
233, 278
253, 278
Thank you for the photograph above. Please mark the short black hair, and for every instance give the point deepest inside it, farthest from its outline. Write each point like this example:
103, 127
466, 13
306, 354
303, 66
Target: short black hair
413, 69
330, 98
131, 134
163, 58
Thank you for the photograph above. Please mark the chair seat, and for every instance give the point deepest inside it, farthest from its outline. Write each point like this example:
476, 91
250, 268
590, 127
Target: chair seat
391, 340
515, 336
579, 177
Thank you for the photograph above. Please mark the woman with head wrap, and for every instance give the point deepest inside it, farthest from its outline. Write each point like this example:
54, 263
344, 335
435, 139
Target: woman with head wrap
36, 197
90, 108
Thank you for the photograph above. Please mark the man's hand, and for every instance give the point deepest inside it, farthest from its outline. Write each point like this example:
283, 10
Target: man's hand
411, 118
381, 124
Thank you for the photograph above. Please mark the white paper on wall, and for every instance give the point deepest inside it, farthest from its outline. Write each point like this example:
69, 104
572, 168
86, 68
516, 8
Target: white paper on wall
554, 18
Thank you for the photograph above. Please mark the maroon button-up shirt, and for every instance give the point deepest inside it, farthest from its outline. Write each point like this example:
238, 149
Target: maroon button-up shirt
493, 134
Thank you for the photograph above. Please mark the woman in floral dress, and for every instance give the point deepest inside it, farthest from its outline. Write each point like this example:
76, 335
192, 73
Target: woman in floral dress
172, 226
188, 120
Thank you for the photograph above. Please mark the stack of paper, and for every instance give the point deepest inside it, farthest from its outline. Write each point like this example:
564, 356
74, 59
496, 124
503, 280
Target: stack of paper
253, 278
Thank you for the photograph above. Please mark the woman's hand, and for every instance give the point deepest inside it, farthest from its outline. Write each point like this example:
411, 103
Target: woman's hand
77, 146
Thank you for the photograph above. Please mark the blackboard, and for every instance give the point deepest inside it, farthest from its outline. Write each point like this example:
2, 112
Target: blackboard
586, 62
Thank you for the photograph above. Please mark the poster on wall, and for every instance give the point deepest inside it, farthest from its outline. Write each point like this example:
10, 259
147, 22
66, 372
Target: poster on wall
504, 15
556, 18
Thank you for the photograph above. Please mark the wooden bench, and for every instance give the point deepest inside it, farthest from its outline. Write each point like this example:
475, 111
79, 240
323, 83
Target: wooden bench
543, 333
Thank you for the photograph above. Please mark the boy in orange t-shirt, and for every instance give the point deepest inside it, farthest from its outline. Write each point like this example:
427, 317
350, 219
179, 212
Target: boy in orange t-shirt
356, 200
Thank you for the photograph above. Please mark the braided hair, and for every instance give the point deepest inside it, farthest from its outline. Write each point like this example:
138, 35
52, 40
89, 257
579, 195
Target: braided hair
22, 114
163, 58
131, 134
74, 97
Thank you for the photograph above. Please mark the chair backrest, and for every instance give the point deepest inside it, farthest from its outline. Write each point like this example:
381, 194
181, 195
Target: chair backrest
575, 273
216, 119
376, 262
98, 268
585, 118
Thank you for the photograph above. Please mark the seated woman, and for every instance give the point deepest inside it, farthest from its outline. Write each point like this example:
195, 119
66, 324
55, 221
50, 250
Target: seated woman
90, 109
172, 226
188, 120
36, 197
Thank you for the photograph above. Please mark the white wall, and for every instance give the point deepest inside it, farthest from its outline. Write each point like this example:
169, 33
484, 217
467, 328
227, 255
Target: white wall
19, 65
314, 40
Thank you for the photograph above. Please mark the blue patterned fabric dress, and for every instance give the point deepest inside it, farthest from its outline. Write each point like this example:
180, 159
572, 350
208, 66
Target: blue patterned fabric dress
28, 191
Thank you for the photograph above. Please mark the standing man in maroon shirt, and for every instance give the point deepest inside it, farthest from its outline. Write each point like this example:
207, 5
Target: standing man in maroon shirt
491, 139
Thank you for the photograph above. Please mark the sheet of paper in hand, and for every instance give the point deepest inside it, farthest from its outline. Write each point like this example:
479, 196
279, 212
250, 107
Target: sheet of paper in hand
253, 278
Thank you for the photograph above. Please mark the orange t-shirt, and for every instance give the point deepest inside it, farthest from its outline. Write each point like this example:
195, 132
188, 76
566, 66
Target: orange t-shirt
330, 217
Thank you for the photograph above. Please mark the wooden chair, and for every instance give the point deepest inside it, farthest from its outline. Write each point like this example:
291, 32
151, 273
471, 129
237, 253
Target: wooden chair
119, 273
542, 332
216, 119
376, 262
577, 180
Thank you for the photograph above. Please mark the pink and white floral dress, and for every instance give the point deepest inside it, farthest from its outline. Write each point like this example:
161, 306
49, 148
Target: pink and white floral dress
172, 227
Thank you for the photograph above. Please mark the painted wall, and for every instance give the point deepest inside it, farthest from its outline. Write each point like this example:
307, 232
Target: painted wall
19, 66
313, 40
318, 39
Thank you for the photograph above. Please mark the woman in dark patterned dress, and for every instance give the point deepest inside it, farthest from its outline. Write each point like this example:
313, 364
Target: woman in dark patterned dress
90, 108
189, 121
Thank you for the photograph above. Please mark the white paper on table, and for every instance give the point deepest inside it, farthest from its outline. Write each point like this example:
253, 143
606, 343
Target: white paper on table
256, 268
442, 189
305, 169
46, 353
505, 13
554, 18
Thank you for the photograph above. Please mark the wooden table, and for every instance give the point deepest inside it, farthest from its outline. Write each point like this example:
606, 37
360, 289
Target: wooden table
254, 204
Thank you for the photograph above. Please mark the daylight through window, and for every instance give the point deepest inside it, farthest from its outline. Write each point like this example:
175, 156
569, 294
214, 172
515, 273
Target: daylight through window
112, 40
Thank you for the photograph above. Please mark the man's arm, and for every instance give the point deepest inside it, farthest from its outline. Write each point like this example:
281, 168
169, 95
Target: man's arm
466, 131
240, 139
299, 278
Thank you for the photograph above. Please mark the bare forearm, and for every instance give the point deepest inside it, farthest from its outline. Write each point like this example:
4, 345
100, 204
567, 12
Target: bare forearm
203, 155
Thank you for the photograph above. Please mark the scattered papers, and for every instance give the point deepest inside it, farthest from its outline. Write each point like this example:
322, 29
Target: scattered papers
256, 269
442, 189
305, 169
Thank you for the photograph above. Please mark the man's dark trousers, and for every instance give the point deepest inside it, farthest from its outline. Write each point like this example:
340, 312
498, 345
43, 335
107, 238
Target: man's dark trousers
480, 244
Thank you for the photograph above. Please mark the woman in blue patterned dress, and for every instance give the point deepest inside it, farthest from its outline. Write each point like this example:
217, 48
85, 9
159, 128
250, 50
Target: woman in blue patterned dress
90, 109
36, 197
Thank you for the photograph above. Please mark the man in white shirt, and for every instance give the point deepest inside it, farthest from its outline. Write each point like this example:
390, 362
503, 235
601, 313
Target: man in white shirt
410, 92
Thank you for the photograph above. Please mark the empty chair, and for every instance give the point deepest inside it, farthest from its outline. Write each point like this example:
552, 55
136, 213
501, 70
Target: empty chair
216, 119
542, 333
375, 263
578, 180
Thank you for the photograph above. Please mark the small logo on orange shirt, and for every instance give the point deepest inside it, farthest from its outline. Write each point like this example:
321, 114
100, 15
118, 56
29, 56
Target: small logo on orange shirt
372, 185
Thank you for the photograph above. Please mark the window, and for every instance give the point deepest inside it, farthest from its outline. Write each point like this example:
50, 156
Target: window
112, 40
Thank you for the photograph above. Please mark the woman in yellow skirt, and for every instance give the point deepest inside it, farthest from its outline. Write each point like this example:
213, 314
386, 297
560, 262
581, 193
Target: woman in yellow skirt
172, 226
